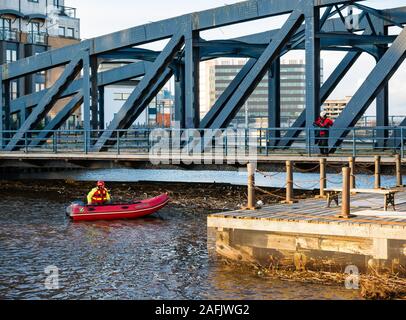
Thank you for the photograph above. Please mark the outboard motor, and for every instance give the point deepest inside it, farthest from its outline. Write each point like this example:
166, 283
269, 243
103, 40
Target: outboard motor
74, 205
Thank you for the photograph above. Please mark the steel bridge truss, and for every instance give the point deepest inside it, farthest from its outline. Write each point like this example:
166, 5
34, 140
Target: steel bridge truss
312, 25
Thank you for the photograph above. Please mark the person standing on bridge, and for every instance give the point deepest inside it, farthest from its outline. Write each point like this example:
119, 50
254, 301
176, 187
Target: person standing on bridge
322, 136
99, 195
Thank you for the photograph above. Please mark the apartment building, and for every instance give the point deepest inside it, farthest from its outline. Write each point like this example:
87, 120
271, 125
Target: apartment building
30, 27
217, 74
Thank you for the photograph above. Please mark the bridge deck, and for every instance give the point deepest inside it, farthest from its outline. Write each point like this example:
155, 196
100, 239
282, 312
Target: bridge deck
142, 157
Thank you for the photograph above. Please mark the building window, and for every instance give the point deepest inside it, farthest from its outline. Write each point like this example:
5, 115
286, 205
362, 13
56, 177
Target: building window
6, 33
70, 33
61, 31
39, 87
11, 55
5, 24
35, 1
34, 28
13, 90
121, 96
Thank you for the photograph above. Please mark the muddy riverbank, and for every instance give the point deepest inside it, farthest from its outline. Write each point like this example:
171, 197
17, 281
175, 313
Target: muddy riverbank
199, 197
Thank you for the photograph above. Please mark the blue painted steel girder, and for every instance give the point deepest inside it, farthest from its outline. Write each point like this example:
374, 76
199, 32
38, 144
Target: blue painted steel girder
59, 119
1, 109
48, 100
374, 83
163, 79
192, 60
213, 18
133, 104
226, 95
327, 88
313, 75
274, 101
257, 72
105, 78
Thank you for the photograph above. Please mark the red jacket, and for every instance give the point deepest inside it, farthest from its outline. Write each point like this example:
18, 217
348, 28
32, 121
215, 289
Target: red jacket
323, 123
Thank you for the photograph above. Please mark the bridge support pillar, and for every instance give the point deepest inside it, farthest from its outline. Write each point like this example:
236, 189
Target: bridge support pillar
312, 47
382, 99
101, 107
94, 65
274, 103
1, 109
86, 99
5, 110
180, 96
192, 62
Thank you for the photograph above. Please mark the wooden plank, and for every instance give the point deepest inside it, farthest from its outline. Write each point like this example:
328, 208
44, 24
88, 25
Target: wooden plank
334, 229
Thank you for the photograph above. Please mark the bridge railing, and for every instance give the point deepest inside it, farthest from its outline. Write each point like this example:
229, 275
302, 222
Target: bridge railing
359, 141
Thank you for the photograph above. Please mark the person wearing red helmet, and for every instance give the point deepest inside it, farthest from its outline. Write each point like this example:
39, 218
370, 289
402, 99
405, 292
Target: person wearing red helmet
99, 195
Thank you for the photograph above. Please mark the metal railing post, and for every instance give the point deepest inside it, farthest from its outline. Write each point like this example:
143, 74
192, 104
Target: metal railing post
309, 150
54, 142
267, 142
118, 142
401, 143
226, 143
354, 143
25, 142
85, 133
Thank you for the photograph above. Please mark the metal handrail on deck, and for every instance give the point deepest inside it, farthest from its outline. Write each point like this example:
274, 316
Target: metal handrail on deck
359, 141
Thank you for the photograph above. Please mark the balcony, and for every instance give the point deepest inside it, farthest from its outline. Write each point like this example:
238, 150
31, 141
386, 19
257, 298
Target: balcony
37, 38
67, 11
9, 35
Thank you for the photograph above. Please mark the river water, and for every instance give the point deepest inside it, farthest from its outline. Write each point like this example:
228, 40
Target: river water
268, 179
162, 257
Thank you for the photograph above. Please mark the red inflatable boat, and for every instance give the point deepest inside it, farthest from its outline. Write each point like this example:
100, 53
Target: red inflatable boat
81, 212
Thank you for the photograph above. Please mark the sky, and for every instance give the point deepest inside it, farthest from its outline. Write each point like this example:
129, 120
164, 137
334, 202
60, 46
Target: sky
99, 17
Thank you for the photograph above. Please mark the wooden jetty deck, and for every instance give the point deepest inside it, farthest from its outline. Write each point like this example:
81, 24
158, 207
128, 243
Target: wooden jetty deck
311, 231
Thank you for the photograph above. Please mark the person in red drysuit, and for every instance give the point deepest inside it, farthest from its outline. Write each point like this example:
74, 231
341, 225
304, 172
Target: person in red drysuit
326, 123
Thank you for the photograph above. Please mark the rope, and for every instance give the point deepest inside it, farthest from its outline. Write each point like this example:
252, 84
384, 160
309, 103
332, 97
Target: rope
276, 195
365, 167
334, 182
310, 187
305, 170
334, 165
270, 193
267, 174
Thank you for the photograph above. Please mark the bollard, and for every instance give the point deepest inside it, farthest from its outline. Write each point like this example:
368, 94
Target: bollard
323, 179
377, 172
346, 195
289, 183
251, 187
399, 178
351, 162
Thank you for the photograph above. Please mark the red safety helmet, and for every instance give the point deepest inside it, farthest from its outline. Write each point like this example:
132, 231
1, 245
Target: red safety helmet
100, 184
